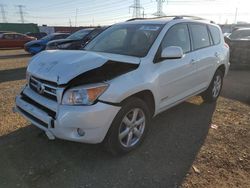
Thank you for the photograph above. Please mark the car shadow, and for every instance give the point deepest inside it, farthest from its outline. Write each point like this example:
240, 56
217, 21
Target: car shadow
12, 74
28, 158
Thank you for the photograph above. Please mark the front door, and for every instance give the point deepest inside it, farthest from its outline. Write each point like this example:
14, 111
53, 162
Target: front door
176, 77
8, 41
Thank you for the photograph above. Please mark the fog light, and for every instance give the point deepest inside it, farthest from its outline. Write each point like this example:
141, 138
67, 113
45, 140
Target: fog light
80, 132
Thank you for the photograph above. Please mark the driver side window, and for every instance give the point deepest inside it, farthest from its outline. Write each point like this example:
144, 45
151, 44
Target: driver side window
178, 35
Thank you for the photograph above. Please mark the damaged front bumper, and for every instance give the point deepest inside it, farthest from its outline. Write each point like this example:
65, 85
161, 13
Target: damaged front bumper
63, 121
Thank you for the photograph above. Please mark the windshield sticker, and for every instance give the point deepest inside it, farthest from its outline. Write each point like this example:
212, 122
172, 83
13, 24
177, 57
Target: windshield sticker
149, 28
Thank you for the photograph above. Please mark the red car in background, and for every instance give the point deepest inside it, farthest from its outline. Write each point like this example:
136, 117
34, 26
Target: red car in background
14, 40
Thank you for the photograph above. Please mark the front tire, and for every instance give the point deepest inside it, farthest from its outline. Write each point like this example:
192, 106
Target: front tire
214, 89
128, 128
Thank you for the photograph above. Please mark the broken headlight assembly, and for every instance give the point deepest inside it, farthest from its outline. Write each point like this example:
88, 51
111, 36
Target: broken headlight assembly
83, 95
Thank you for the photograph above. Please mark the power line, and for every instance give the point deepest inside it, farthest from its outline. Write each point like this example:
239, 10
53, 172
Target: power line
136, 9
159, 8
3, 13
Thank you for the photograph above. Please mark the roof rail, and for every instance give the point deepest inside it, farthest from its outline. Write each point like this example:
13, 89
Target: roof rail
192, 17
174, 17
133, 19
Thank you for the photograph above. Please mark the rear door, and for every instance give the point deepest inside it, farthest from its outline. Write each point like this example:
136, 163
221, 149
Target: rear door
20, 40
204, 53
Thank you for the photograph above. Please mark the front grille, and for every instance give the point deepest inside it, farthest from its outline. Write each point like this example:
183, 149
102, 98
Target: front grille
43, 88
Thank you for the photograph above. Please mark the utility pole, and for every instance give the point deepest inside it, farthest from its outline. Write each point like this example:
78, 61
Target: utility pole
21, 13
159, 12
136, 9
76, 17
3, 12
70, 22
236, 15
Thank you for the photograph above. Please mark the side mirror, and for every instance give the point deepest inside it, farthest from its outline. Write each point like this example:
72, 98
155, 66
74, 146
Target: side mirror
172, 52
227, 39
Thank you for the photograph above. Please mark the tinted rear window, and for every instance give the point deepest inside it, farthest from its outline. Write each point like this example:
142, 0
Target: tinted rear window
200, 36
215, 32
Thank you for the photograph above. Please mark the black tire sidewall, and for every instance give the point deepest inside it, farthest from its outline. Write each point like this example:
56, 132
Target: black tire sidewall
208, 94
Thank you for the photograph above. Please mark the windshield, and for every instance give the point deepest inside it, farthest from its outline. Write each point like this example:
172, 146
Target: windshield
240, 34
130, 39
79, 34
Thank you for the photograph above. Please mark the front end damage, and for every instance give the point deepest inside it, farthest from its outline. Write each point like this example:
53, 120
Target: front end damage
40, 101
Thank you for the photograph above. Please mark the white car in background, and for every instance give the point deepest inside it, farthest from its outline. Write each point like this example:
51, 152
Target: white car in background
125, 76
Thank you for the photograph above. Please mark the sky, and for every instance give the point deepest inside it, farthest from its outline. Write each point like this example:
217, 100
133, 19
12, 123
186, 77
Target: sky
105, 12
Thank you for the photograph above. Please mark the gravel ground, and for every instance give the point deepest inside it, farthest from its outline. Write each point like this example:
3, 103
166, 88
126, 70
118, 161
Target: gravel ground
181, 149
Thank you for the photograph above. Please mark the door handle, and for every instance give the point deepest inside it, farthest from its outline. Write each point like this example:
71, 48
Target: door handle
217, 54
192, 62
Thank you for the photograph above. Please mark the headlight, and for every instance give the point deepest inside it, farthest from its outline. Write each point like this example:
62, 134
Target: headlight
83, 95
62, 46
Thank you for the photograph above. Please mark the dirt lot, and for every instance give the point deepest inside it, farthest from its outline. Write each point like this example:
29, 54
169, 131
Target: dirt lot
181, 149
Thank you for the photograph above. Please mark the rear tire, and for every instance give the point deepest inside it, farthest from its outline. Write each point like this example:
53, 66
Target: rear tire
128, 128
213, 91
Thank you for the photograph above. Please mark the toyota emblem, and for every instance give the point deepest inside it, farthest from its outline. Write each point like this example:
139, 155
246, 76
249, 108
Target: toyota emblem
40, 88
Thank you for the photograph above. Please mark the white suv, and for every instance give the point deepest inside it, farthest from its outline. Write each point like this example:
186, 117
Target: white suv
128, 74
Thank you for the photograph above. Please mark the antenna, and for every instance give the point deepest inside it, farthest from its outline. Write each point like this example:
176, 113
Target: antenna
159, 8
21, 12
136, 9
3, 12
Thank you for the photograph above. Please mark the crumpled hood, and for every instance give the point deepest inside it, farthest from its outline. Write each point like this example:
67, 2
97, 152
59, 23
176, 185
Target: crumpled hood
61, 66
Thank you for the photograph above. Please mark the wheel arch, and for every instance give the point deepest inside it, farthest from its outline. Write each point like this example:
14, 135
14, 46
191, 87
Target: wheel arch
222, 68
145, 95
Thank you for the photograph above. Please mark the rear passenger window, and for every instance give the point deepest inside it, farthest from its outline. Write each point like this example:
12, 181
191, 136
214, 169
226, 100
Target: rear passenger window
19, 36
200, 36
215, 32
177, 35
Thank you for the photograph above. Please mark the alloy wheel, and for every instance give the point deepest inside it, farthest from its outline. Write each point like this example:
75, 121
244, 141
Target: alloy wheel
216, 86
132, 127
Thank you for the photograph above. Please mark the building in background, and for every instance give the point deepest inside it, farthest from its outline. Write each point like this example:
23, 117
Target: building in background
19, 27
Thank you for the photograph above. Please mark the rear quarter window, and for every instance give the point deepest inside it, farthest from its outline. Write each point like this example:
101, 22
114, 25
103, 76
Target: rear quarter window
200, 36
215, 32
